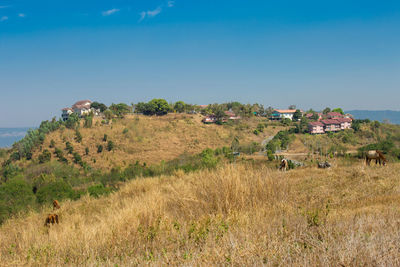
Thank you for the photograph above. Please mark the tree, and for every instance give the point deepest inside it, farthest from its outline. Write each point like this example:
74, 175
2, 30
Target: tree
297, 115
292, 107
99, 148
15, 195
108, 114
158, 107
110, 145
45, 156
180, 106
78, 136
58, 189
72, 121
339, 110
326, 110
120, 110
97, 105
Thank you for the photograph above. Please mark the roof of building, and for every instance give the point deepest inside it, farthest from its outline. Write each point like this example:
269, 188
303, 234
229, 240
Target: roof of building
335, 114
82, 104
316, 123
341, 120
330, 121
230, 113
66, 109
285, 110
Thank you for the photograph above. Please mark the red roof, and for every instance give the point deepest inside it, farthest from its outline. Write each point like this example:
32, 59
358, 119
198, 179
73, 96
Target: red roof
316, 123
335, 114
342, 120
230, 113
82, 104
285, 110
330, 121
66, 109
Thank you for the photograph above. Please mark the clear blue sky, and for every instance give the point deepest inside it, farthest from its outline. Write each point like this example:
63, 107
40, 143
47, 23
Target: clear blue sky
309, 53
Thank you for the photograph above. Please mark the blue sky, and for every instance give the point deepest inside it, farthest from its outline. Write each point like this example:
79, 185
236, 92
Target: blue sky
309, 53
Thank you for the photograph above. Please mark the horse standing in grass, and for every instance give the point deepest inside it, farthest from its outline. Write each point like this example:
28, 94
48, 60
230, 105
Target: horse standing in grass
284, 165
377, 156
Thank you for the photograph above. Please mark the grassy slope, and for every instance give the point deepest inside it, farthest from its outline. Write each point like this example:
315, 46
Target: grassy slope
237, 214
153, 139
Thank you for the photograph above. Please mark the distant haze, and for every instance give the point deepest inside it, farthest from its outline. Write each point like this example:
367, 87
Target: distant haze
377, 115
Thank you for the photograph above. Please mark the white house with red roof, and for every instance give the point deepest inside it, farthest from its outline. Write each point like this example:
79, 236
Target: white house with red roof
280, 114
316, 127
81, 108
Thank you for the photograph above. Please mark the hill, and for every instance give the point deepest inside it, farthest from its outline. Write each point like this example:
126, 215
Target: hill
240, 214
152, 139
378, 115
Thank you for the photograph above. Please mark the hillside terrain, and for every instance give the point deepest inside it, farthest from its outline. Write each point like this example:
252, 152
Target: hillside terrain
152, 139
240, 214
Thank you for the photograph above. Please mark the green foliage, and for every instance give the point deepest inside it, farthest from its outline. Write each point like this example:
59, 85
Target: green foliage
86, 151
97, 105
180, 106
110, 145
9, 171
270, 155
120, 110
78, 136
77, 159
108, 114
280, 141
69, 147
153, 107
99, 148
88, 122
326, 111
105, 137
73, 121
98, 190
339, 110
52, 143
297, 115
208, 158
15, 195
57, 189
125, 131
45, 156
260, 127
286, 122
250, 148
256, 132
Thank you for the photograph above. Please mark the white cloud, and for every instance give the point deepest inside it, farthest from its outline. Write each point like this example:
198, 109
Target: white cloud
3, 18
110, 12
4, 7
150, 13
170, 3
21, 15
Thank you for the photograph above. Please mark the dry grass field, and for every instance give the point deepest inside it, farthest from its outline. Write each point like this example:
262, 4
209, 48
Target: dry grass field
152, 139
236, 215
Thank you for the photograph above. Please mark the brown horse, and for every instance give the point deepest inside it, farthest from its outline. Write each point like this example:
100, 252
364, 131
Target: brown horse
377, 156
51, 219
56, 205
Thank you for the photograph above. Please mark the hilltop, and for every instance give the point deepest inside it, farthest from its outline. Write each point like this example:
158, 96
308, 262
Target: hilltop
152, 139
240, 214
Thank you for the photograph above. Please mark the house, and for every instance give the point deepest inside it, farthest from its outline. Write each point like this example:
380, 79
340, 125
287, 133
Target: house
210, 119
231, 115
316, 127
82, 107
65, 113
310, 116
280, 114
331, 125
345, 123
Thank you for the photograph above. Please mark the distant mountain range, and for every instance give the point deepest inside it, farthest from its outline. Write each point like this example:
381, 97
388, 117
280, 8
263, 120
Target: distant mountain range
377, 115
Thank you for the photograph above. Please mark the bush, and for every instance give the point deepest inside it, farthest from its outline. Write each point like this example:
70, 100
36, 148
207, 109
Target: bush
15, 196
98, 190
69, 147
58, 189
52, 143
77, 159
99, 148
110, 145
260, 127
45, 156
208, 159
87, 151
105, 137
78, 136
256, 132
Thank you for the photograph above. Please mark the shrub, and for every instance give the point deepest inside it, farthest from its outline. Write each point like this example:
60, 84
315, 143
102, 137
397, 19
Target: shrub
78, 136
45, 156
110, 145
69, 147
87, 151
58, 189
105, 137
52, 143
208, 159
125, 131
77, 159
88, 122
260, 127
99, 148
256, 132
98, 190
15, 195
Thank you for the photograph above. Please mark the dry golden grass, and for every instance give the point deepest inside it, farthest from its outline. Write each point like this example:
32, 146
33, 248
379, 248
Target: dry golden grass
236, 215
153, 139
